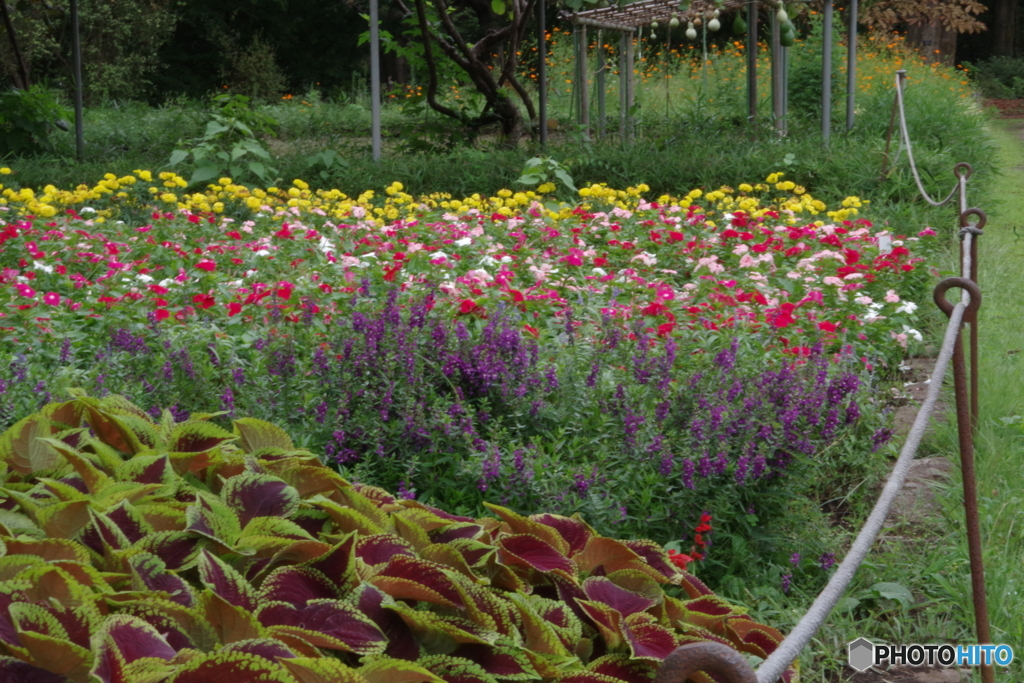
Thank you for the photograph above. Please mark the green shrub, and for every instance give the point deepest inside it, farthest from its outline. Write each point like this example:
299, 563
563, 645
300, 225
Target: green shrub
27, 118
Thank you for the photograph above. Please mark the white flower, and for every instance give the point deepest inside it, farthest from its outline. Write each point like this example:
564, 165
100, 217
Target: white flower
907, 307
599, 271
42, 266
506, 259
142, 277
911, 332
464, 242
263, 252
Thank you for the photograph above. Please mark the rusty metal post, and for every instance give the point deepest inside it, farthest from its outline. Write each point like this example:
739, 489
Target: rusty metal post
707, 656
901, 73
976, 231
965, 432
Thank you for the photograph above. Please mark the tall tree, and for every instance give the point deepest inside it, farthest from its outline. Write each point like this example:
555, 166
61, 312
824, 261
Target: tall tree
501, 26
932, 25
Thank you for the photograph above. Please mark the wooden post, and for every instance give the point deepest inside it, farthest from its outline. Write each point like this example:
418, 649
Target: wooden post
851, 65
584, 72
826, 73
374, 79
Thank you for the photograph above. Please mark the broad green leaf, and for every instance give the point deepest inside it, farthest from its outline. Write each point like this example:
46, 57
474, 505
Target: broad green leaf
256, 434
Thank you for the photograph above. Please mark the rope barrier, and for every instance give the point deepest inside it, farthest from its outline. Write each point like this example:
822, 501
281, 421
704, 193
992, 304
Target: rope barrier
905, 140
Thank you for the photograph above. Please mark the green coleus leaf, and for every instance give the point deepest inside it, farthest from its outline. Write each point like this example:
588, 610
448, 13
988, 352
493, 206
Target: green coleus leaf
23, 450
214, 519
177, 549
259, 495
50, 549
57, 655
182, 627
93, 477
14, 523
386, 670
147, 469
64, 520
255, 434
328, 670
456, 669
230, 622
440, 633
267, 536
111, 429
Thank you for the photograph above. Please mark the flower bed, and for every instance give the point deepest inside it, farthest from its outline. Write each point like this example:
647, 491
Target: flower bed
640, 361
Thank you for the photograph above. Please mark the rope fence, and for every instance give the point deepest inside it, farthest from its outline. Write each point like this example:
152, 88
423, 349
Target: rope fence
723, 661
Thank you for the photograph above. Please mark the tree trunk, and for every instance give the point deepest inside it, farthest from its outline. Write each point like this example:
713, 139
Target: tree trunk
933, 41
1005, 14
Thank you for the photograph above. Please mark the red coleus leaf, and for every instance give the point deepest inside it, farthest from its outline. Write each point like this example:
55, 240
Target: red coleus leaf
254, 495
620, 667
380, 548
16, 671
149, 572
576, 532
266, 648
402, 644
502, 663
526, 550
225, 665
408, 578
297, 586
122, 640
226, 582
327, 623
648, 640
601, 589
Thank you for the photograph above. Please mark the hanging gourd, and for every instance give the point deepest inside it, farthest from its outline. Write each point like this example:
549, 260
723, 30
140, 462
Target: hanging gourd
714, 24
739, 26
781, 15
654, 24
673, 22
691, 32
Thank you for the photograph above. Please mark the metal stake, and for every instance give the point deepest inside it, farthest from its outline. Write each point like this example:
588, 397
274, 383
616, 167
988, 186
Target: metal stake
374, 79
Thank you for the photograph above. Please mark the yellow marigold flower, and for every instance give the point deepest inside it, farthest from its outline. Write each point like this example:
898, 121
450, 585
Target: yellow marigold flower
643, 187
544, 188
169, 197
5, 171
786, 185
799, 189
744, 187
695, 194
774, 177
504, 193
145, 175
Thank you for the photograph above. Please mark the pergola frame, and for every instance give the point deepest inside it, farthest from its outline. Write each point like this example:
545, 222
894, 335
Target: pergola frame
628, 18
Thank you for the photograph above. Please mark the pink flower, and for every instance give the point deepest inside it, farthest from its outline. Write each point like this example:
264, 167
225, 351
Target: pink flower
25, 290
927, 232
892, 297
51, 298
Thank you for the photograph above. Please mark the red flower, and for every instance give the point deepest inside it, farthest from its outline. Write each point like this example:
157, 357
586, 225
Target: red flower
680, 559
467, 306
234, 308
204, 301
162, 314
207, 265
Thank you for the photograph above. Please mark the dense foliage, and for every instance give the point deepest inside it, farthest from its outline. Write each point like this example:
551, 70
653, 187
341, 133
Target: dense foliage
142, 550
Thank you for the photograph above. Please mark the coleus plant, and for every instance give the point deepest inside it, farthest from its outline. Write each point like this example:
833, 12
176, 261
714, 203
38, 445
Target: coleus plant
136, 550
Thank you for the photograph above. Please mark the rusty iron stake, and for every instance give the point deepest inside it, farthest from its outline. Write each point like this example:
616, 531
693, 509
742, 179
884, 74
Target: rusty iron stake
707, 656
902, 73
965, 432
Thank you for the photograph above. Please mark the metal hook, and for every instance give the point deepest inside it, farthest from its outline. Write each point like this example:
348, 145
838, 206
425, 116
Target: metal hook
974, 211
963, 165
963, 283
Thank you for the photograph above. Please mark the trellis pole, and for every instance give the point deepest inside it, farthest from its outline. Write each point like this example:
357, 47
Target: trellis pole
826, 73
76, 65
542, 73
752, 62
851, 65
374, 78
